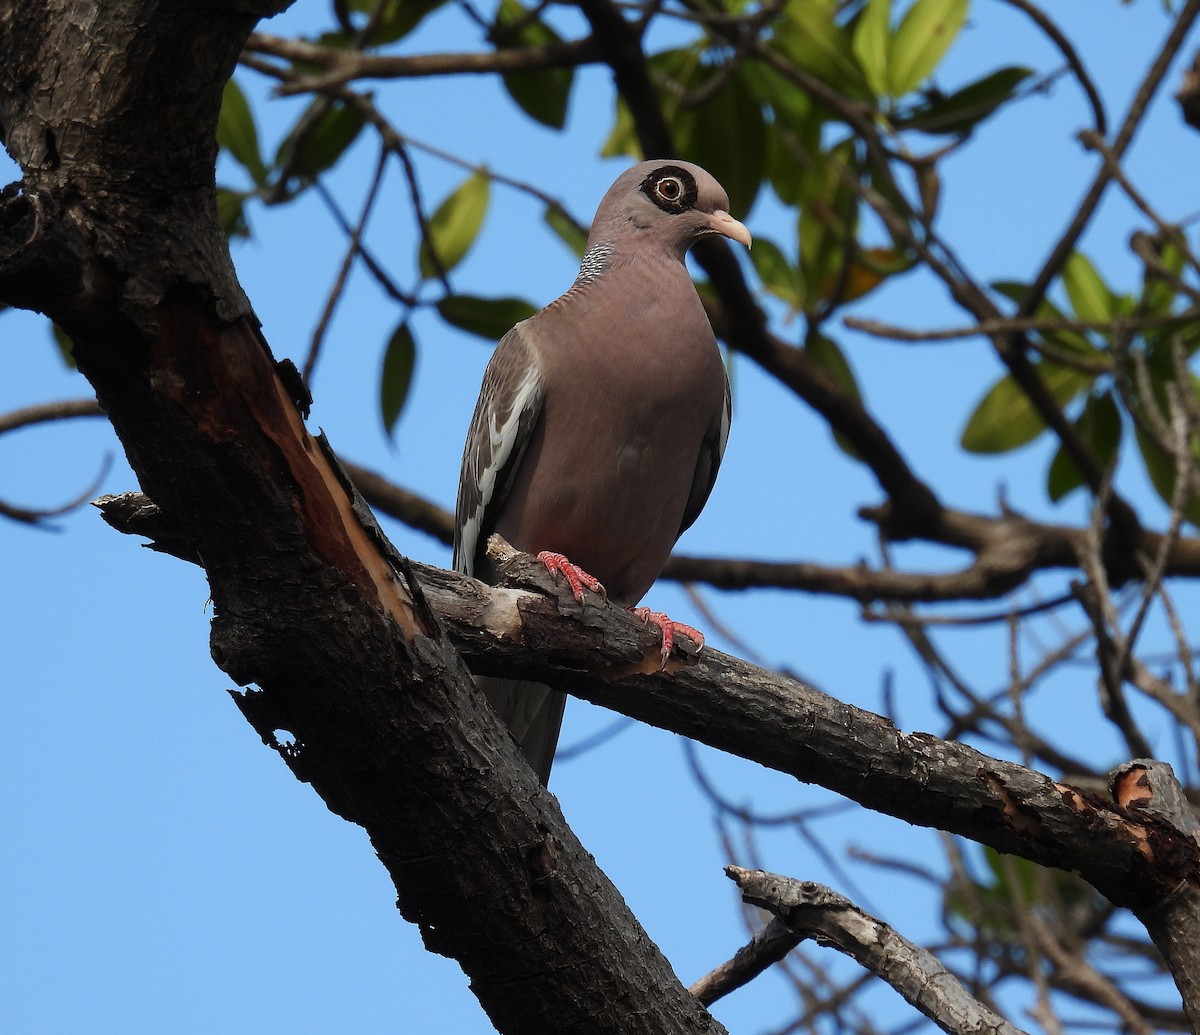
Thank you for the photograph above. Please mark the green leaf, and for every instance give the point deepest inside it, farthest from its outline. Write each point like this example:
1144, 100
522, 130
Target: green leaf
1161, 469
727, 136
828, 220
778, 275
1099, 428
1159, 294
960, 112
1090, 297
1005, 418
66, 348
793, 109
396, 18
456, 223
490, 318
312, 147
826, 354
569, 232
231, 211
622, 139
809, 35
543, 95
237, 133
924, 35
1069, 341
870, 43
399, 359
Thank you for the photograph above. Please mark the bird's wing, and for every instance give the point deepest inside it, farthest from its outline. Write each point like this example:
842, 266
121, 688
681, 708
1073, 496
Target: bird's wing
510, 403
712, 449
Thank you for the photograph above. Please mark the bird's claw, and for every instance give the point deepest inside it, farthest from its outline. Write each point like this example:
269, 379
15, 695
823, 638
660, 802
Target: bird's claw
574, 576
669, 630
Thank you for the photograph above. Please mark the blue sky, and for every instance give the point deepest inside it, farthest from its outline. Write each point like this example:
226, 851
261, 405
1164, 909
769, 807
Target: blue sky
165, 872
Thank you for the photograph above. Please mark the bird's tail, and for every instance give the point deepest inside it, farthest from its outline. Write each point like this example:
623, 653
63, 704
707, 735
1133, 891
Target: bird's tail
534, 714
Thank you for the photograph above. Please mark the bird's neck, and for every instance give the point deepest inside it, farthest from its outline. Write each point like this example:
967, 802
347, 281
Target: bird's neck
595, 261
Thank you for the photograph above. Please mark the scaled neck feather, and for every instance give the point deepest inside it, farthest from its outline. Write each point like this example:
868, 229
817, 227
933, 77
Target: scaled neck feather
595, 261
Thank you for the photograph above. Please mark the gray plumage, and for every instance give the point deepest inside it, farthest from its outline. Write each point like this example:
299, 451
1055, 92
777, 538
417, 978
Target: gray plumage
602, 418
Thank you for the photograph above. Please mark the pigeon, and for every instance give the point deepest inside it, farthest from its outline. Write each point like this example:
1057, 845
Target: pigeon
602, 420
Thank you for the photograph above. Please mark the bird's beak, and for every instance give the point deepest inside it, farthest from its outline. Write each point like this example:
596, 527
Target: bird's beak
721, 222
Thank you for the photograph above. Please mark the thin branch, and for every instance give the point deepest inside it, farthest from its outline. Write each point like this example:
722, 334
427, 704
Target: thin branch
814, 911
343, 66
352, 250
1071, 55
769, 946
1129, 127
43, 413
1023, 325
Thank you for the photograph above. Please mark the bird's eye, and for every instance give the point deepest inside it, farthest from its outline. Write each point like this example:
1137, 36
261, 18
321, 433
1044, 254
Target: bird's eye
669, 188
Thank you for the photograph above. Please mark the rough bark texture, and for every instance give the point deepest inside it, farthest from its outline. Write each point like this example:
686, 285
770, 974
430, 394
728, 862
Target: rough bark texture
113, 232
531, 628
1150, 787
815, 911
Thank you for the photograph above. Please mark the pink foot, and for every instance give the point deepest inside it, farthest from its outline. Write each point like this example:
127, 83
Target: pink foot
669, 630
575, 576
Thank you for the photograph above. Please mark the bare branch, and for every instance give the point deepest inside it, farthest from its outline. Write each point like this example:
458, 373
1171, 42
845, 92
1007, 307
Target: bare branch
815, 911
345, 65
1129, 127
1060, 40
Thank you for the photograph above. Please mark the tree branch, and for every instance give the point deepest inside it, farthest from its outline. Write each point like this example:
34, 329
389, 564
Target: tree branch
814, 911
530, 628
343, 65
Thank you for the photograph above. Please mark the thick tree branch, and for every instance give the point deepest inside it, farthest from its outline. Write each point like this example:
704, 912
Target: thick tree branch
527, 628
114, 233
1149, 787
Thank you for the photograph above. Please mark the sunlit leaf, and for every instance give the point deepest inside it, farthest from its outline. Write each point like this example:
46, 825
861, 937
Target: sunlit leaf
1090, 297
237, 133
1070, 341
926, 31
1005, 418
490, 318
810, 35
399, 359
1099, 428
456, 223
870, 44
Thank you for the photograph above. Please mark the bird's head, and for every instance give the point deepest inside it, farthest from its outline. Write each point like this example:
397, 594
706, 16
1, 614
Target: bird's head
669, 202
